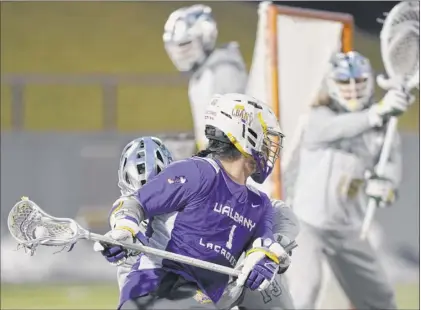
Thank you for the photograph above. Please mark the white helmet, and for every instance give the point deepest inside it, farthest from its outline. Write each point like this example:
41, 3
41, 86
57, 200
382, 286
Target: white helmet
141, 159
350, 81
190, 36
250, 125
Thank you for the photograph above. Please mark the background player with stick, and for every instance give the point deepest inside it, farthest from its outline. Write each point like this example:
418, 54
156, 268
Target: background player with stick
341, 143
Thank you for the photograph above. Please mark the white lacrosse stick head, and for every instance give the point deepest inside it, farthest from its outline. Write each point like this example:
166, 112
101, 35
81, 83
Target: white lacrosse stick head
400, 45
31, 227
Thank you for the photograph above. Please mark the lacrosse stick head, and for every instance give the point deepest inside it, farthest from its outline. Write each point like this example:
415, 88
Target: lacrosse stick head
31, 227
400, 44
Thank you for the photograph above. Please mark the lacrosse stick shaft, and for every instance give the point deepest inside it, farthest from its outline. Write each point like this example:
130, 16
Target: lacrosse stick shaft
175, 257
168, 255
380, 169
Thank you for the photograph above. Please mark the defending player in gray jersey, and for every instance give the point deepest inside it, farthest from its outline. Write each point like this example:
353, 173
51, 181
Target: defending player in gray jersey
340, 148
190, 36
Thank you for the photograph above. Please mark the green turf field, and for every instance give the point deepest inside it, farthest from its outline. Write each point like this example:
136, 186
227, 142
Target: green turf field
113, 38
100, 296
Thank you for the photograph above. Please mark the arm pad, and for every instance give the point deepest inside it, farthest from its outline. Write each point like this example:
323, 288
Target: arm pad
126, 208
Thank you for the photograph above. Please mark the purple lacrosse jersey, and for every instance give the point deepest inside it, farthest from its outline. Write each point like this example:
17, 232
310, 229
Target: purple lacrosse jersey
195, 209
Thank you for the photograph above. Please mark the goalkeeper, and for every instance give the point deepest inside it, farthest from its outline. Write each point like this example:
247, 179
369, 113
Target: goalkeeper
340, 147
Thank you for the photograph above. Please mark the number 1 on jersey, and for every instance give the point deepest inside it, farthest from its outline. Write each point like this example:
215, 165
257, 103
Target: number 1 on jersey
231, 236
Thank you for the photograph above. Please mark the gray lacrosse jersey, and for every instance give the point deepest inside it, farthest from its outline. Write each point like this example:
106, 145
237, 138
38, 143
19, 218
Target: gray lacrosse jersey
223, 72
336, 151
195, 209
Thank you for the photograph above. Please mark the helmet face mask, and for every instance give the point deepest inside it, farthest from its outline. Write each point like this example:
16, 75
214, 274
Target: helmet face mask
350, 81
271, 149
186, 55
141, 159
189, 36
250, 126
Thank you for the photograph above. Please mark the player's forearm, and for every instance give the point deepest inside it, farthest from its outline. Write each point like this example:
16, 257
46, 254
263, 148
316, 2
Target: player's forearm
329, 129
286, 225
289, 226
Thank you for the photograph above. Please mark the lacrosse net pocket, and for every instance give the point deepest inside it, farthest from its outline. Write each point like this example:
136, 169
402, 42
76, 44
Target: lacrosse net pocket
31, 227
400, 42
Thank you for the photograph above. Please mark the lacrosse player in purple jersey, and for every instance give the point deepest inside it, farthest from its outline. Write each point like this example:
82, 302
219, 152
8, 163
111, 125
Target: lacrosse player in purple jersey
145, 157
201, 207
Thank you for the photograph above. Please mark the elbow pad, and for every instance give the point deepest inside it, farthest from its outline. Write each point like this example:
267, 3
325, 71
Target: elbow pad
126, 208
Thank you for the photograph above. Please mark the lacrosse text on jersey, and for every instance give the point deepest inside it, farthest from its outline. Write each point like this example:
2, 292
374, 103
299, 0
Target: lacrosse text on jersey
238, 218
220, 250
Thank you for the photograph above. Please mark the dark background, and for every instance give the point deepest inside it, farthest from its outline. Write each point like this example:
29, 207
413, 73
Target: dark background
365, 12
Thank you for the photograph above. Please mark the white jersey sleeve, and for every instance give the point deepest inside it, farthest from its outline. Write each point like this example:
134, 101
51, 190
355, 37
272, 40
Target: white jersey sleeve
327, 126
223, 72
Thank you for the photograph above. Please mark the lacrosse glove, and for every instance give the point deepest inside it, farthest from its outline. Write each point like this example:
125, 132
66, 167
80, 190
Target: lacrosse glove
394, 103
262, 263
380, 189
125, 228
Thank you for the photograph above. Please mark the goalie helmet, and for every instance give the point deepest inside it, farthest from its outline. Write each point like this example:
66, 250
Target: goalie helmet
350, 81
250, 125
141, 159
189, 36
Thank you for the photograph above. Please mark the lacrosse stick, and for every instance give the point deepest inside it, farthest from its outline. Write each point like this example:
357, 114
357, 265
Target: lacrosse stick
399, 44
31, 227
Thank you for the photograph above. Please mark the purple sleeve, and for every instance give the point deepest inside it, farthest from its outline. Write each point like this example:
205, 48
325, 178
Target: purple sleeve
170, 190
264, 228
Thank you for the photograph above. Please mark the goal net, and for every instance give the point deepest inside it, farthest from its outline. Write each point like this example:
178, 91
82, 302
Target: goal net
291, 55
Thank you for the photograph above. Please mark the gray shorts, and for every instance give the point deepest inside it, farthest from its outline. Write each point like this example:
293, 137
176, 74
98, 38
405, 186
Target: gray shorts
354, 263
